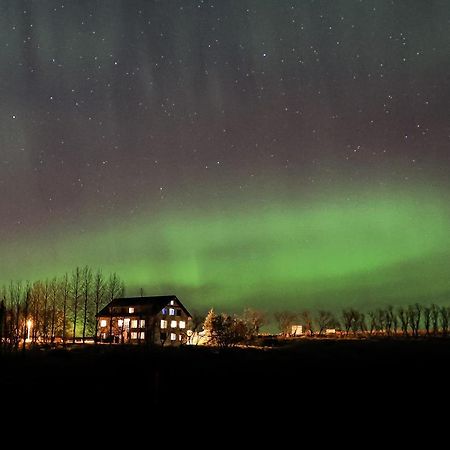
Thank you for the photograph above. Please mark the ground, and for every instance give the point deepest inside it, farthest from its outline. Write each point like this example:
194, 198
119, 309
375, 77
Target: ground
322, 376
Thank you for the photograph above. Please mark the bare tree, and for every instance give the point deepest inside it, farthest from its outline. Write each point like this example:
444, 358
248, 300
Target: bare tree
255, 319
114, 289
46, 310
414, 314
435, 318
307, 320
54, 292
285, 320
427, 319
444, 311
325, 319
65, 292
373, 322
26, 307
86, 288
99, 294
76, 290
389, 319
404, 320
350, 320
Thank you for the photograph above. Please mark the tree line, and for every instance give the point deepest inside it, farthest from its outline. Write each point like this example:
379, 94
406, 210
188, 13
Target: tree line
415, 320
55, 310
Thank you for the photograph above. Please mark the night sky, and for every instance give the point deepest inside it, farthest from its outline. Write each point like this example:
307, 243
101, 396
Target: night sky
274, 154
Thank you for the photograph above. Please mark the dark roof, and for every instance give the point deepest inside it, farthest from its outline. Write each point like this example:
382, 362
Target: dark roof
157, 303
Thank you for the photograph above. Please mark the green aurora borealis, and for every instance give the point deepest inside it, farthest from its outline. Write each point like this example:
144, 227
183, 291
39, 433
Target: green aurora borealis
326, 250
236, 153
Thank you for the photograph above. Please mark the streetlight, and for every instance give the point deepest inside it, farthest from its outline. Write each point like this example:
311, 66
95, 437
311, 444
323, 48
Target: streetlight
29, 325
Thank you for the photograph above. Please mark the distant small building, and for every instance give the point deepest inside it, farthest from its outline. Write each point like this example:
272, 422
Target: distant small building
159, 320
296, 330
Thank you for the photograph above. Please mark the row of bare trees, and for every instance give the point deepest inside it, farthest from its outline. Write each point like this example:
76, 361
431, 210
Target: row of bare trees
55, 310
412, 320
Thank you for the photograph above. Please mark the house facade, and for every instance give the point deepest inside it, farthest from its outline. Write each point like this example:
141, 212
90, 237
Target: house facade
161, 320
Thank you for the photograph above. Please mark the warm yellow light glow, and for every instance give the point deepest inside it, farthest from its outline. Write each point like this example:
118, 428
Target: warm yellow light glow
173, 324
163, 323
182, 324
120, 323
103, 323
130, 310
29, 325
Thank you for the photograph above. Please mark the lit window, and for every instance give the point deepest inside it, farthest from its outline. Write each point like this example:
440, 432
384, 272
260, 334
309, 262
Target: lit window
142, 335
126, 323
103, 323
171, 311
120, 323
180, 337
173, 336
142, 323
164, 311
182, 324
163, 323
173, 324
133, 335
131, 310
133, 323
172, 302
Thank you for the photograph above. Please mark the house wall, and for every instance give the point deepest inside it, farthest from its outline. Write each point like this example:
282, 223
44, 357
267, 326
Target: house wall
152, 328
179, 316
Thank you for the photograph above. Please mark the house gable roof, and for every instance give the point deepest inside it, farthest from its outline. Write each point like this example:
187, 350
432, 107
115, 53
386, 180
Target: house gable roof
157, 303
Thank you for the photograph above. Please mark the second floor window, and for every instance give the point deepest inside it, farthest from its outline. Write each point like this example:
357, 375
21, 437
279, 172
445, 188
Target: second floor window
103, 323
130, 310
173, 324
142, 323
163, 324
134, 323
182, 324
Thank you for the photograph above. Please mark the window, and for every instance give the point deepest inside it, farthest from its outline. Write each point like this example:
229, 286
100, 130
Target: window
103, 323
178, 312
173, 324
133, 323
120, 323
164, 311
163, 336
180, 337
163, 324
142, 335
133, 335
182, 324
131, 310
173, 336
172, 302
142, 323
171, 311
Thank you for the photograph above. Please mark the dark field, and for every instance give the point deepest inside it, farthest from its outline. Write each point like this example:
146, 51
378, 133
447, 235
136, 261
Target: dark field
323, 376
